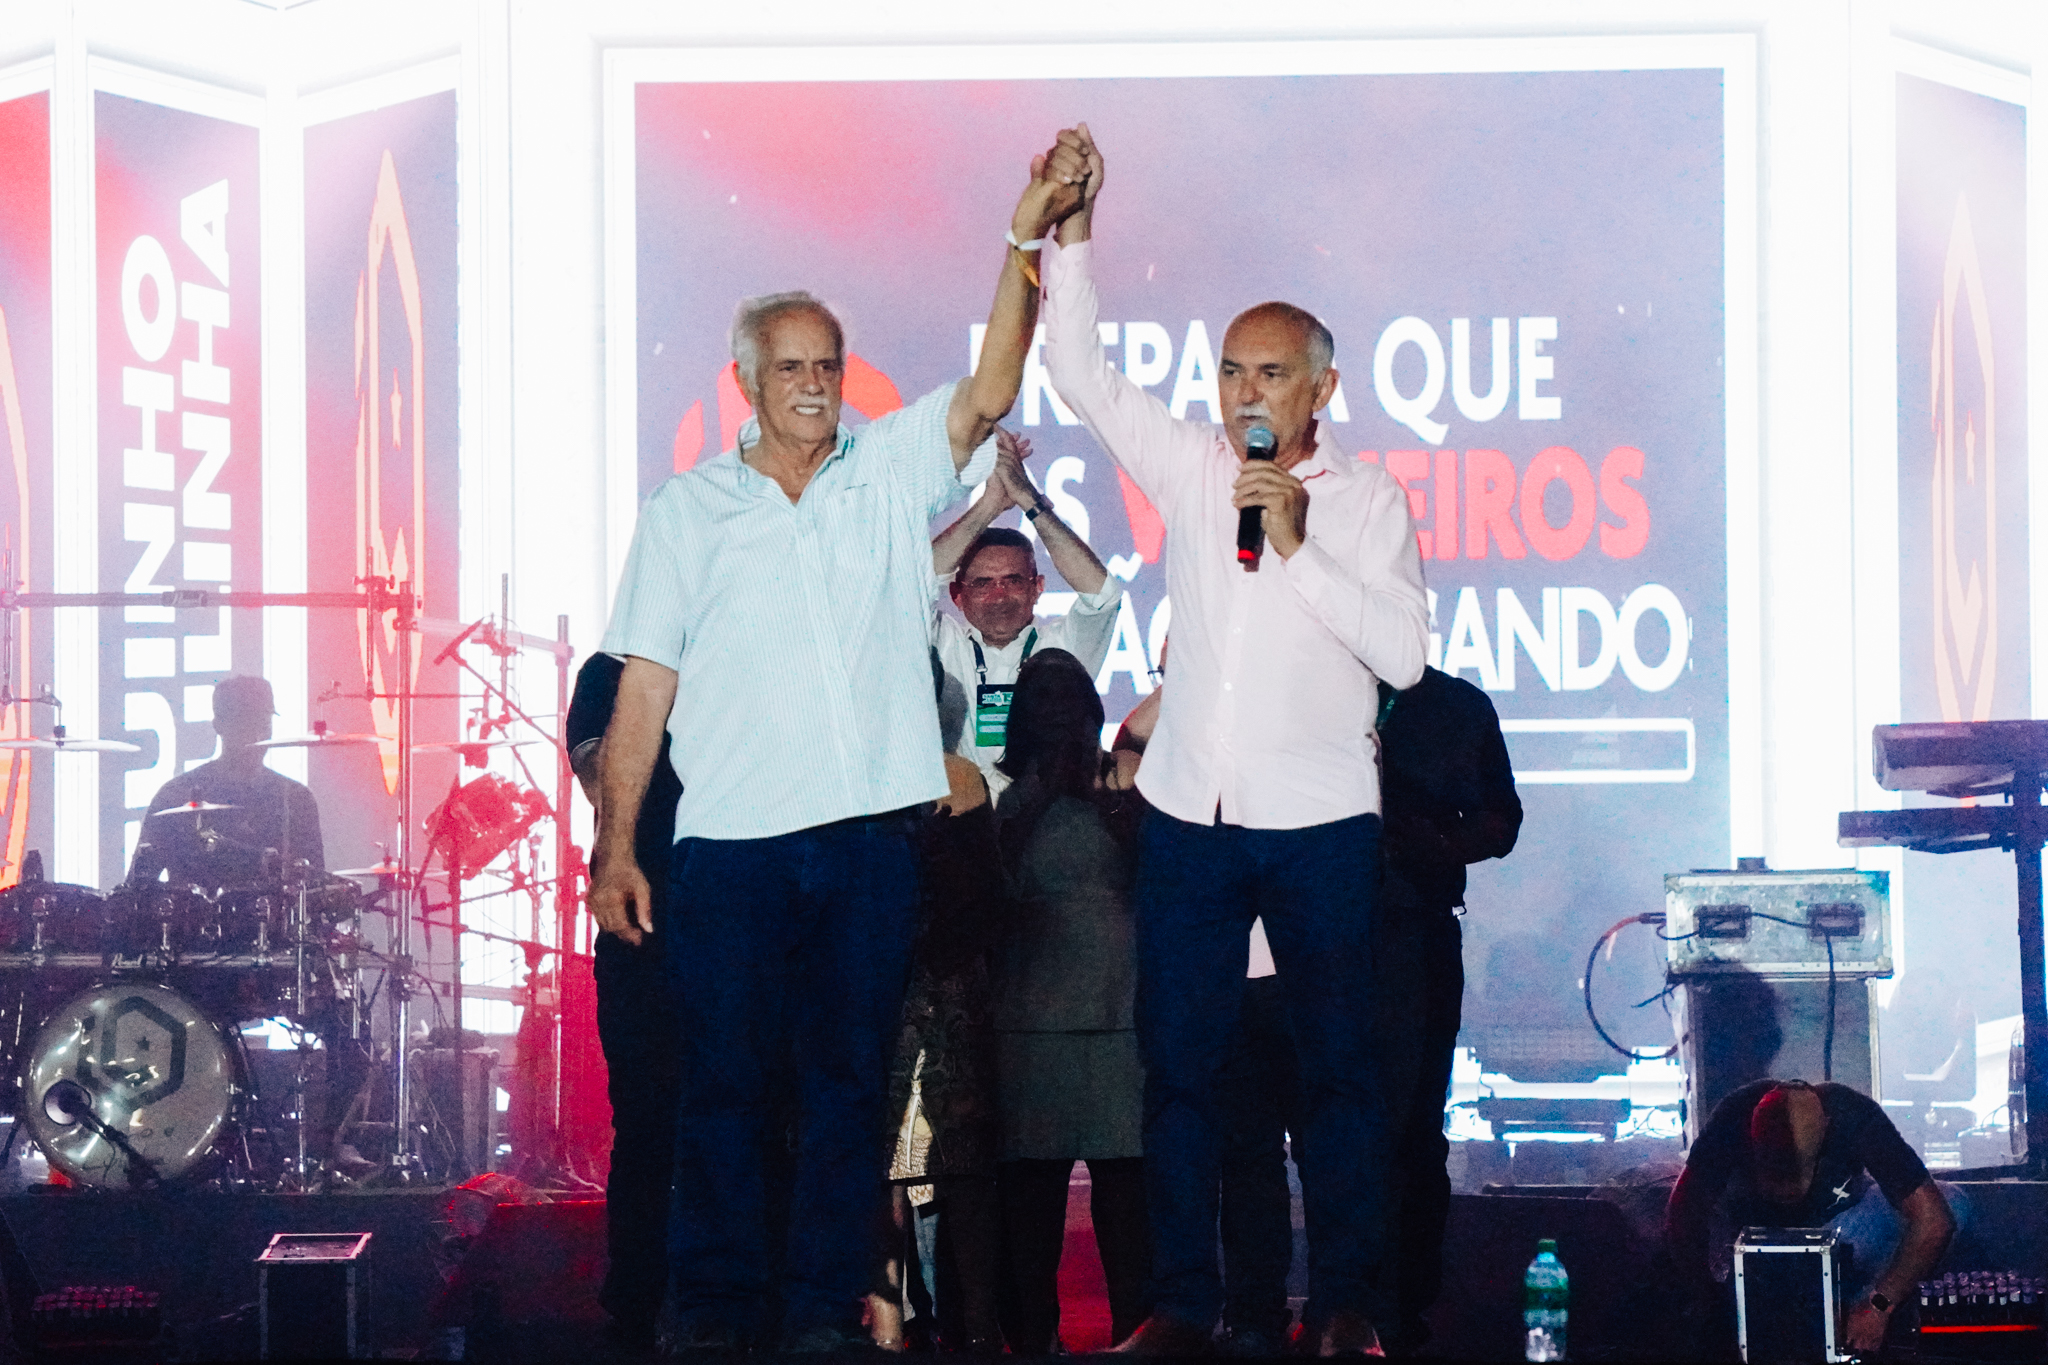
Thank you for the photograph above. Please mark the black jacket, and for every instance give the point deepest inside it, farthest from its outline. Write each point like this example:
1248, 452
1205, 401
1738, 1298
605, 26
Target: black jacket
1447, 788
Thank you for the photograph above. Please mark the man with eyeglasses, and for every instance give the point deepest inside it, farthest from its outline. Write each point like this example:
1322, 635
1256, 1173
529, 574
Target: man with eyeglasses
996, 584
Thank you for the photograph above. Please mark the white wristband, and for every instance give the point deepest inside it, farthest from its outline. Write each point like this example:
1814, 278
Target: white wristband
1010, 236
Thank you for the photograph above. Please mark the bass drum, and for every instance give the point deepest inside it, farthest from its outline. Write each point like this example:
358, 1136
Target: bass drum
128, 1084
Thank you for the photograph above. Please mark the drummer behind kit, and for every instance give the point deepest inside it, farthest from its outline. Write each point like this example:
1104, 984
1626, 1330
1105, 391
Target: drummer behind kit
121, 1014
215, 826
126, 1008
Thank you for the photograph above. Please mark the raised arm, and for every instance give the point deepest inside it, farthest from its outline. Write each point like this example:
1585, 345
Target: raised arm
983, 400
620, 899
1136, 428
1069, 553
951, 543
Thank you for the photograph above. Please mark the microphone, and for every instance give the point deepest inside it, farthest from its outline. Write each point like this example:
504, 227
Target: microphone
449, 652
1251, 525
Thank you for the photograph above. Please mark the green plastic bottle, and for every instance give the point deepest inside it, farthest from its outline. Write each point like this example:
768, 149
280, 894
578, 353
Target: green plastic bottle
1546, 1302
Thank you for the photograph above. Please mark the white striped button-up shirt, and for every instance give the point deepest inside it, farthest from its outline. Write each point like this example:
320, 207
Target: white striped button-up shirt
1270, 710
798, 631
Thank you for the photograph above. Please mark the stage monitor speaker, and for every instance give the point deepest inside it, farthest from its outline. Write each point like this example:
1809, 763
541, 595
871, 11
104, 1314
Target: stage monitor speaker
1738, 1027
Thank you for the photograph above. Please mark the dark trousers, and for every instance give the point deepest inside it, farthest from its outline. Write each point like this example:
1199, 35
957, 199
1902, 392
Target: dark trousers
786, 954
636, 1027
964, 1249
1035, 1226
1258, 1092
1422, 963
1199, 889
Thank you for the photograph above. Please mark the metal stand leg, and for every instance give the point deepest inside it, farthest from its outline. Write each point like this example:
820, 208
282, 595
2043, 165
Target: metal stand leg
2028, 838
405, 1160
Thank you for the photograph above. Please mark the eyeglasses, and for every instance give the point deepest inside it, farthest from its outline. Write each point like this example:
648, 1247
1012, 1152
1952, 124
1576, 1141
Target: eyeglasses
1009, 582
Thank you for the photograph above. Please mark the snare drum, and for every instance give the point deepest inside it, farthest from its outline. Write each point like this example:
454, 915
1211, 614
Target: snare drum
129, 1083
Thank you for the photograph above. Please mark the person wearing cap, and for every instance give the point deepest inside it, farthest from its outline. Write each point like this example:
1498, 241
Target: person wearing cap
1786, 1154
268, 821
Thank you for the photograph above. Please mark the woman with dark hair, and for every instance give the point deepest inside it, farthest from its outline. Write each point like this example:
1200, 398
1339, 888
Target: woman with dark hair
1068, 1074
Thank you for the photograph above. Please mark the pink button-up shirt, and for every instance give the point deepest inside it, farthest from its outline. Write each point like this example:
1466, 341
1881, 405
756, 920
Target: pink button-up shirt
1275, 673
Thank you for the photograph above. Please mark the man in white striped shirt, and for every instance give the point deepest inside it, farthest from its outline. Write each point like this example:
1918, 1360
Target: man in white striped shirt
773, 617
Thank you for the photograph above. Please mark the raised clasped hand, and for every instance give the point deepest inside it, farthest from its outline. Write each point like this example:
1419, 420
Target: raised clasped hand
1261, 483
1054, 192
1009, 475
1081, 143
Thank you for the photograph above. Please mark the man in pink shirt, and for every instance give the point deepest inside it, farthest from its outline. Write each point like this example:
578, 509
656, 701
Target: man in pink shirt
1263, 777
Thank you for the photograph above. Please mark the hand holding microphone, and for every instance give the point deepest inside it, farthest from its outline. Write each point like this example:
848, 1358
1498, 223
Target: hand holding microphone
1251, 521
1263, 486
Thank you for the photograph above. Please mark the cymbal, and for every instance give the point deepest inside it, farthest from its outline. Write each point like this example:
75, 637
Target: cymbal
81, 746
192, 808
319, 740
457, 745
387, 869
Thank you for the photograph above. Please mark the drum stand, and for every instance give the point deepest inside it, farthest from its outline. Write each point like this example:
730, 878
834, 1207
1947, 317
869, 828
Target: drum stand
303, 1173
405, 1166
375, 596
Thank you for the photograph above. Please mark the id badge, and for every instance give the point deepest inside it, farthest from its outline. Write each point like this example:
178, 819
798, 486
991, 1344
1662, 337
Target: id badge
992, 714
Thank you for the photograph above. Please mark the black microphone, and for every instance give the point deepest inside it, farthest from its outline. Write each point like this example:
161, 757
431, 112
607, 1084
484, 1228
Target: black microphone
446, 654
1251, 524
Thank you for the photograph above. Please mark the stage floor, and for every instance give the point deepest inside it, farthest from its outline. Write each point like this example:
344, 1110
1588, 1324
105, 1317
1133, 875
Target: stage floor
198, 1251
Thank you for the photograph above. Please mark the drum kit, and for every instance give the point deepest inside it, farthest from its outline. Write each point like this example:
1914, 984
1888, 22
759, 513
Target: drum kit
121, 1016
121, 1012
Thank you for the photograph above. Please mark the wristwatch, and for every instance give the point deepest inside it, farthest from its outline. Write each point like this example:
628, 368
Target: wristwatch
1031, 512
1880, 1302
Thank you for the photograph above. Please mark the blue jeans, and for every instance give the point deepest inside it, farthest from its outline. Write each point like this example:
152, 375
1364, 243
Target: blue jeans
1875, 1229
788, 957
1199, 888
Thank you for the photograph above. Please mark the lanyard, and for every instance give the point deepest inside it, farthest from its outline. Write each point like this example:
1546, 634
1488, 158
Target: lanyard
981, 663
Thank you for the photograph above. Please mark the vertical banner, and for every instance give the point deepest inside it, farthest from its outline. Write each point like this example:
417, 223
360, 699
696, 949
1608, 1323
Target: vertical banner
1964, 610
25, 421
180, 436
1525, 276
381, 476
